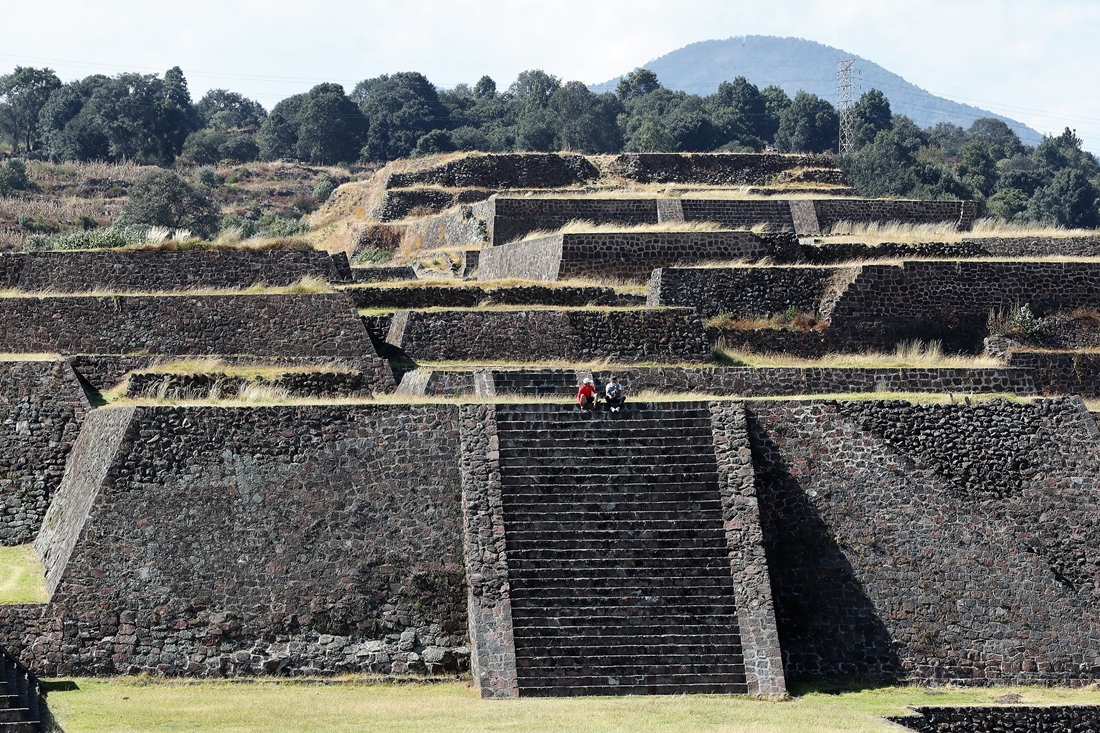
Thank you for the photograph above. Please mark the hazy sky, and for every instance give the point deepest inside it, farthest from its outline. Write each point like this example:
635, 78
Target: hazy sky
1035, 60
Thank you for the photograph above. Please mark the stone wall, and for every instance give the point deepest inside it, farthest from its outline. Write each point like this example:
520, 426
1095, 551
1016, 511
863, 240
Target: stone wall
931, 542
724, 381
283, 540
1061, 372
163, 272
748, 560
465, 226
884, 304
712, 169
1046, 719
667, 334
320, 325
506, 170
41, 409
304, 385
400, 203
621, 255
742, 292
734, 213
448, 296
1037, 246
513, 218
382, 274
493, 648
961, 213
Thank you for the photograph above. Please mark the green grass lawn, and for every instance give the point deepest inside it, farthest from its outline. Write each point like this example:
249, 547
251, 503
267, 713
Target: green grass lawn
22, 577
133, 704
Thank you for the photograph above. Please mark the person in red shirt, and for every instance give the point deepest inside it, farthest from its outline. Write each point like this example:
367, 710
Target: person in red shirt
586, 395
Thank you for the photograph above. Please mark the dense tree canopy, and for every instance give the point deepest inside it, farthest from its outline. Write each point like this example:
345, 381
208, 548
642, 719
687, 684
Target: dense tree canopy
151, 119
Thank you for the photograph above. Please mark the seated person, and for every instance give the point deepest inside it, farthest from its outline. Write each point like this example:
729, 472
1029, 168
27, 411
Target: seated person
586, 395
614, 395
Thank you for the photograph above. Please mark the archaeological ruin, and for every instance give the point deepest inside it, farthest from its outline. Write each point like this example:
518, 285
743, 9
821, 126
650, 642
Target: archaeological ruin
840, 460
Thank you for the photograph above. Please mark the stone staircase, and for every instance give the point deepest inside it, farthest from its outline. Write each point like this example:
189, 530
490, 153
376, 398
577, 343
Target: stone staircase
618, 563
19, 697
536, 382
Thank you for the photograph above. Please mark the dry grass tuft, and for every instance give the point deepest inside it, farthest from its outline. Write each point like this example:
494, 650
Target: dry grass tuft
877, 233
909, 354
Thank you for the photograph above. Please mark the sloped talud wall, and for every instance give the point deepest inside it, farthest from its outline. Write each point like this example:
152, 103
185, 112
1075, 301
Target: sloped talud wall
41, 409
262, 325
621, 255
162, 272
934, 542
293, 540
632, 335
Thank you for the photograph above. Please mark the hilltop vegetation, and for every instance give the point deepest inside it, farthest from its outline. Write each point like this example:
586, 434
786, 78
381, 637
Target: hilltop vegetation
151, 120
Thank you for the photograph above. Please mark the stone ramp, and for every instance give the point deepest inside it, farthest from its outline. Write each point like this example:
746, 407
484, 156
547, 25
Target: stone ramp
619, 567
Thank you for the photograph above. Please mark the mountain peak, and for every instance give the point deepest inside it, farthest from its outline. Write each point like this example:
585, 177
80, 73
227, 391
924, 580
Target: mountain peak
798, 64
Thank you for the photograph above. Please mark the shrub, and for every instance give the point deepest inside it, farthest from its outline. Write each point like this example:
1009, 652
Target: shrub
206, 177
13, 177
115, 236
371, 256
1019, 321
277, 226
245, 227
324, 188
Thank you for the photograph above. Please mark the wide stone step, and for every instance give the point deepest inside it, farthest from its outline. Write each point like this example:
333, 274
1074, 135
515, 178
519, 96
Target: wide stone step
729, 648
614, 531
601, 423
626, 511
570, 687
708, 581
589, 450
641, 610
591, 431
593, 678
8, 701
695, 548
671, 484
14, 715
616, 522
596, 568
590, 628
530, 592
595, 463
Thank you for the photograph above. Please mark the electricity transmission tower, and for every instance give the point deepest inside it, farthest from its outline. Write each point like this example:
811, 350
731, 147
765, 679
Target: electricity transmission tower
845, 87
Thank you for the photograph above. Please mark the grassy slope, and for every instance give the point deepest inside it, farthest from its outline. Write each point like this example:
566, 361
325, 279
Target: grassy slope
22, 577
132, 705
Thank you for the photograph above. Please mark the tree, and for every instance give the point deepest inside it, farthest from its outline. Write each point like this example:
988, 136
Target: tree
436, 141
776, 102
870, 116
534, 85
136, 117
400, 109
26, 91
163, 198
978, 168
1006, 204
331, 129
997, 136
948, 137
638, 83
222, 109
278, 135
1069, 200
485, 88
740, 113
207, 147
809, 125
586, 122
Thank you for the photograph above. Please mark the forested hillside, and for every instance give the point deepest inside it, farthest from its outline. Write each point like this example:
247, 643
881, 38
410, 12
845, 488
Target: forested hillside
152, 120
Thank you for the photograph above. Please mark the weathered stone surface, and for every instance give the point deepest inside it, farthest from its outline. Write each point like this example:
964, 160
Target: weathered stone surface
507, 170
321, 325
621, 255
1047, 719
956, 549
714, 169
491, 335
41, 409
290, 540
163, 272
